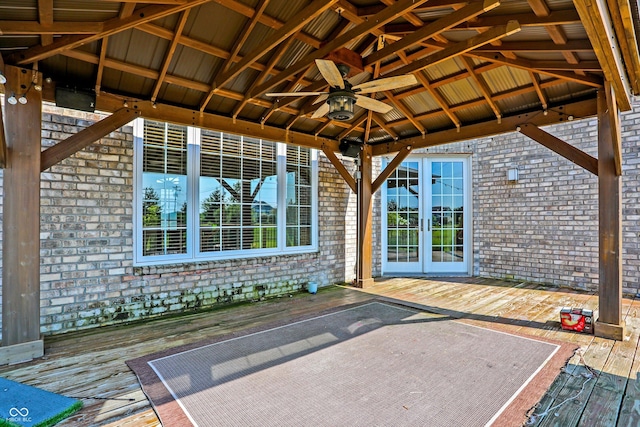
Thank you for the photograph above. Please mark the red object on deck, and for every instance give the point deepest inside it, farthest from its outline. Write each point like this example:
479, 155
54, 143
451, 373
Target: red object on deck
576, 319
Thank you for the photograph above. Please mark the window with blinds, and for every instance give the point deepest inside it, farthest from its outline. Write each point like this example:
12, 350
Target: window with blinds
164, 185
206, 195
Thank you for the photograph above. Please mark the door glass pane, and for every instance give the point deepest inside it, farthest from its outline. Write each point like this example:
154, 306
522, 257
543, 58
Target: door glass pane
447, 211
403, 222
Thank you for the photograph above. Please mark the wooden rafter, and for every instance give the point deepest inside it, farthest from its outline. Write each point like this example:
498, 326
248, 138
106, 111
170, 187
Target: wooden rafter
282, 48
235, 50
45, 17
267, 20
292, 26
407, 113
589, 80
459, 48
482, 86
127, 9
580, 109
110, 27
559, 17
599, 28
244, 34
536, 84
103, 54
184, 15
354, 125
198, 45
472, 10
378, 21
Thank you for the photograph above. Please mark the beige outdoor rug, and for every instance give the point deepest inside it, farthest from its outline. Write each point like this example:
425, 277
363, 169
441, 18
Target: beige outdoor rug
374, 364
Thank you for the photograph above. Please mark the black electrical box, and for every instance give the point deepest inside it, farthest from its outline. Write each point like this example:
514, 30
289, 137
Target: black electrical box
76, 99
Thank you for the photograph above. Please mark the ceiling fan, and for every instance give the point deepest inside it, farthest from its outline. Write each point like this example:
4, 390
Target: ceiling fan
342, 96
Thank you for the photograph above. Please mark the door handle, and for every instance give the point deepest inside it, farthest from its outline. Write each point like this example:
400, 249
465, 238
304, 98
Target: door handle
428, 225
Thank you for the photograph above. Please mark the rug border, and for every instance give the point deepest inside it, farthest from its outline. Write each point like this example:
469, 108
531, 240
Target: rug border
516, 409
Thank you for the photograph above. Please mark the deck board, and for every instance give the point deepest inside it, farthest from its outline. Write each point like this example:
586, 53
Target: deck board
90, 364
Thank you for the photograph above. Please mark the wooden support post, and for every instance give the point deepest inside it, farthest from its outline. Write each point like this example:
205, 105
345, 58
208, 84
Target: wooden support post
610, 323
21, 222
364, 272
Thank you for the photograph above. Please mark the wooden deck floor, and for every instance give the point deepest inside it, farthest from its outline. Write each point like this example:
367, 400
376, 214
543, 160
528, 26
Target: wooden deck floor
90, 365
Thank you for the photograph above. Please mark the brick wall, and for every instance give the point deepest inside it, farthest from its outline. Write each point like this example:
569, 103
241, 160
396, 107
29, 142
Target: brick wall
87, 273
542, 228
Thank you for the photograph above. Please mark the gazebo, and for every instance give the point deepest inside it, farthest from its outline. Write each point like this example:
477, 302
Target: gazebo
480, 68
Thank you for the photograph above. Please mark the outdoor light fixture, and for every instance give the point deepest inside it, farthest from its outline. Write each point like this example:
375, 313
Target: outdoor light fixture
12, 99
512, 175
22, 100
341, 104
3, 79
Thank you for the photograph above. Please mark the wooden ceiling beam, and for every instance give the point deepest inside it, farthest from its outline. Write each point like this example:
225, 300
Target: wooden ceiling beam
267, 20
599, 28
589, 80
171, 79
482, 86
383, 125
40, 28
559, 17
424, 81
184, 116
198, 45
184, 15
459, 48
45, 17
462, 15
581, 109
365, 12
127, 9
282, 48
558, 146
539, 46
480, 101
235, 50
405, 111
110, 27
245, 33
536, 85
353, 126
302, 18
85, 137
103, 54
627, 36
388, 14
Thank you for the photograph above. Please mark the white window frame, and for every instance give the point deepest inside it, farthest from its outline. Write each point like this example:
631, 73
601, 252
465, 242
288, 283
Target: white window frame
193, 174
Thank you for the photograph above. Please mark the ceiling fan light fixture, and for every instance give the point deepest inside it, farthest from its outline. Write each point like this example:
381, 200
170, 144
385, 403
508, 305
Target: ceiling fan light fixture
341, 106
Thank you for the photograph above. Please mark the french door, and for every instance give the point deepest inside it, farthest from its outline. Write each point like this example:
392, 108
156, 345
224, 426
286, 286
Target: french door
427, 217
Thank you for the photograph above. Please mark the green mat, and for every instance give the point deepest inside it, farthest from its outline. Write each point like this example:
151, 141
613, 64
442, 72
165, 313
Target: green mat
25, 406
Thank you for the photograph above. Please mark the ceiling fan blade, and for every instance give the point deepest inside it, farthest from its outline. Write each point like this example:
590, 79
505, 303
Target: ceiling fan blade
330, 72
324, 109
321, 98
386, 84
373, 104
295, 93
